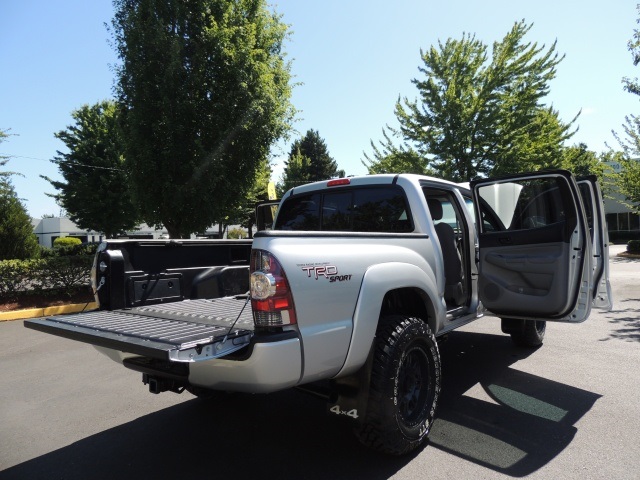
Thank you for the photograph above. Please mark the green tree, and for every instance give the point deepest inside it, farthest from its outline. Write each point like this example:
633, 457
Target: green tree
17, 240
580, 160
629, 178
629, 182
204, 91
245, 212
389, 158
257, 193
633, 85
308, 161
479, 114
4, 134
96, 192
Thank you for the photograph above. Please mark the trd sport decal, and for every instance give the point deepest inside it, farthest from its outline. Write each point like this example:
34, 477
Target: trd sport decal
330, 272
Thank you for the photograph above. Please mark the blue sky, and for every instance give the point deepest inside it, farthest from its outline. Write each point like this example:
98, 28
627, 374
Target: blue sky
353, 59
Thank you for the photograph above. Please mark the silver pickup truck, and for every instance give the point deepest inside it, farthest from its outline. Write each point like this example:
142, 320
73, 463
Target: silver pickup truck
349, 291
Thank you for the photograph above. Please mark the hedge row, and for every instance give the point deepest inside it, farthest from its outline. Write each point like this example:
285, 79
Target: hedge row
60, 274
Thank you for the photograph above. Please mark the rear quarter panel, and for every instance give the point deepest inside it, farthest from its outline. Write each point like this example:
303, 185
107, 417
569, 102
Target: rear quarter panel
326, 273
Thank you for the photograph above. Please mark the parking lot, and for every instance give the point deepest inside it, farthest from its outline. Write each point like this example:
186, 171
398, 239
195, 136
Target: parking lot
569, 409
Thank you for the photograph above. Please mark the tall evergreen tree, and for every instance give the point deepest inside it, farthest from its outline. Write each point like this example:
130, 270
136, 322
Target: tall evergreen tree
309, 161
96, 192
204, 92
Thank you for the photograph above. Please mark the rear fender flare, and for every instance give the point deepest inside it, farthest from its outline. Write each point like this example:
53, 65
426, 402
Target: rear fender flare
377, 281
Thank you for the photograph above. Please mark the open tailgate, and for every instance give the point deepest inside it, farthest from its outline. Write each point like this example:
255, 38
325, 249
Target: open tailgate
187, 331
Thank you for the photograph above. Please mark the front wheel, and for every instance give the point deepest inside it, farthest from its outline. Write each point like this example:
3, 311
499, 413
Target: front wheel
404, 387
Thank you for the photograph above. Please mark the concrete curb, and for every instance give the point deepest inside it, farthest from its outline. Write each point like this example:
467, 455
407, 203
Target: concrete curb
46, 312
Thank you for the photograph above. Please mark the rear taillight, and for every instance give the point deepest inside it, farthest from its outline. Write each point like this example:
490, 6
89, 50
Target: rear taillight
270, 294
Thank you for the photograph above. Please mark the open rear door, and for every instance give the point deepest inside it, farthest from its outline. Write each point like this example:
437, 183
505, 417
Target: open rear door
594, 208
535, 259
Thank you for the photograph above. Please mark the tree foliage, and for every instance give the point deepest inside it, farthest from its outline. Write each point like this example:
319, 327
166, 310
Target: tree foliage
4, 159
308, 161
633, 85
629, 183
245, 213
95, 192
204, 90
17, 240
583, 162
481, 113
390, 158
629, 178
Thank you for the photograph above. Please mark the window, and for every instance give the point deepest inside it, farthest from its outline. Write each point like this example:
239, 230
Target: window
523, 204
369, 209
623, 221
300, 213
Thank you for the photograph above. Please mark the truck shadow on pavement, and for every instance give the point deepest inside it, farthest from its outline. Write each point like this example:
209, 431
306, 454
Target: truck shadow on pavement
501, 418
514, 423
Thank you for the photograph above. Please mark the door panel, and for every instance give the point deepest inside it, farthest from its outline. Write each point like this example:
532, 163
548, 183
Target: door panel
537, 263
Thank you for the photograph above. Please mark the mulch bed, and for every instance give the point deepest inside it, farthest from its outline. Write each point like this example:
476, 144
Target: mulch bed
629, 255
40, 301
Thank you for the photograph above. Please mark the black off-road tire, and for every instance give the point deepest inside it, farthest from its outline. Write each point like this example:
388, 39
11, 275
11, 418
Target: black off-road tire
525, 333
404, 388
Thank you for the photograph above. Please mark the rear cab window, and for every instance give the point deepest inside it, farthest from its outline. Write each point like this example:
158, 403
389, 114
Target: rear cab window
381, 209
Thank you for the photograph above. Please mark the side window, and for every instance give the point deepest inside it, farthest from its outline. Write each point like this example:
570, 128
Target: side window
522, 205
302, 213
490, 220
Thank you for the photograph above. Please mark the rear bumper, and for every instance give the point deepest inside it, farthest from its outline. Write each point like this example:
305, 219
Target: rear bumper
272, 366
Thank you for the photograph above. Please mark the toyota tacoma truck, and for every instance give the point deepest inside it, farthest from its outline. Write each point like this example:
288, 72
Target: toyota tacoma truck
349, 291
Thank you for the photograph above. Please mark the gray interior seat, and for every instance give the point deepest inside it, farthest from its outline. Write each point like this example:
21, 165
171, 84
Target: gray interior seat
453, 291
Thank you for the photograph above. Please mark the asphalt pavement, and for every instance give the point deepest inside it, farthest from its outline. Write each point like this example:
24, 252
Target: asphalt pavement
568, 410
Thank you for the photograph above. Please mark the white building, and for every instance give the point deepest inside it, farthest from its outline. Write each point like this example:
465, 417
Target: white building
48, 229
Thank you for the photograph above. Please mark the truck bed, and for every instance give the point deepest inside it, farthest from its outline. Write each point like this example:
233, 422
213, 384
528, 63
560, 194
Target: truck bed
186, 331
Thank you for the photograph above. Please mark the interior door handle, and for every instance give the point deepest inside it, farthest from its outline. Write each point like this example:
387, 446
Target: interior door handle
505, 241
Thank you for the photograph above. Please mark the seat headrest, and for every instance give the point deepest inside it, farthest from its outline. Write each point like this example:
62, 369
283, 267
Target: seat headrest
435, 207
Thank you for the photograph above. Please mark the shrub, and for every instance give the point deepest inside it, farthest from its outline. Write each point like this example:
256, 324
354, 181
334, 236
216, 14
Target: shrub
46, 252
65, 274
66, 242
78, 249
62, 274
633, 246
236, 233
17, 276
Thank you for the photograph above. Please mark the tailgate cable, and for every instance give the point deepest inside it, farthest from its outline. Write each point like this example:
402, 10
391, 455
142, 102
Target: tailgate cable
218, 346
